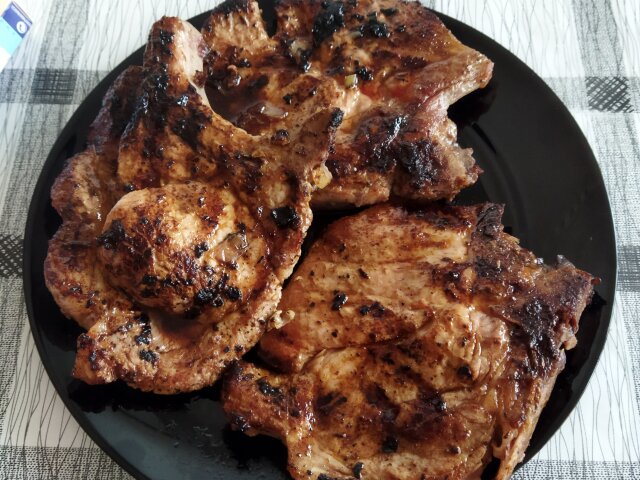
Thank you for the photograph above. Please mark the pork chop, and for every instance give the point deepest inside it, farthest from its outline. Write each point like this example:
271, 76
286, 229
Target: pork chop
83, 194
211, 226
396, 67
420, 344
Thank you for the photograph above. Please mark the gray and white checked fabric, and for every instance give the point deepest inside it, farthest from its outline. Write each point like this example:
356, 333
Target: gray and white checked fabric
588, 51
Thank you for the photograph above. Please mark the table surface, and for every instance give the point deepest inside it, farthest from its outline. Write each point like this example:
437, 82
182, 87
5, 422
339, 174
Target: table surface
587, 51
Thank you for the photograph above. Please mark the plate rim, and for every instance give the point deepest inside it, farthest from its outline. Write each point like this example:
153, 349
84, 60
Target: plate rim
67, 132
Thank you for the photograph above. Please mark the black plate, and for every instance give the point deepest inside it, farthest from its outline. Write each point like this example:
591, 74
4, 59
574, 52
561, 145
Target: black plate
536, 161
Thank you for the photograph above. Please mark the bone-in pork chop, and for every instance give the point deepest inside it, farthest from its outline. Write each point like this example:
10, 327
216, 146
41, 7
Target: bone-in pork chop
211, 226
420, 344
397, 68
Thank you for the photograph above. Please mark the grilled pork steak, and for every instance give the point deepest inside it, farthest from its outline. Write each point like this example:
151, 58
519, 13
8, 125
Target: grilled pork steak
83, 194
197, 250
396, 69
421, 344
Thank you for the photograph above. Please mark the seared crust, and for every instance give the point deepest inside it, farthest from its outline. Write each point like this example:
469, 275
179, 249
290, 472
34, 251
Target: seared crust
423, 342
436, 257
211, 227
396, 69
83, 194
171, 355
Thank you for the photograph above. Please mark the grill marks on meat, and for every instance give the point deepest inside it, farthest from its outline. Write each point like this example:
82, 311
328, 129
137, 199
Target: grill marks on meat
393, 68
182, 221
452, 258
195, 244
443, 356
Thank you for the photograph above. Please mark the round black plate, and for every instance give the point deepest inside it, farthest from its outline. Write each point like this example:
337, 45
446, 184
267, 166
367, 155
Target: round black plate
536, 161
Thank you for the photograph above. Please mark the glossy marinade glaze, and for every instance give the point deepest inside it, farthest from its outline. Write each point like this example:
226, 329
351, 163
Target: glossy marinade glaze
420, 344
208, 222
395, 69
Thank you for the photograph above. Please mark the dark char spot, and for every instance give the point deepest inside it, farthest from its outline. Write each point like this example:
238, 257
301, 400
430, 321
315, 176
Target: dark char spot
93, 356
375, 28
413, 63
376, 309
338, 301
364, 74
233, 293
489, 220
280, 137
148, 356
209, 296
363, 274
336, 118
440, 405
113, 236
327, 22
327, 403
182, 100
357, 469
231, 6
285, 217
386, 358
267, 389
465, 372
145, 335
419, 160
189, 128
537, 325
166, 38
201, 248
390, 445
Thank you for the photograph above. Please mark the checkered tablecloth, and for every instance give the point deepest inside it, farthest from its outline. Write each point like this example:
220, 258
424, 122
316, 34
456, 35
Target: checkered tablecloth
587, 51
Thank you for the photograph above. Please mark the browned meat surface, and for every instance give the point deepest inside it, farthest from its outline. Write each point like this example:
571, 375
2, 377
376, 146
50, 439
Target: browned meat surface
83, 194
196, 252
420, 344
393, 67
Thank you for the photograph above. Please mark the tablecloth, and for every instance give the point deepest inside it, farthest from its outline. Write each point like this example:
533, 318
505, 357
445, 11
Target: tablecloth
587, 51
